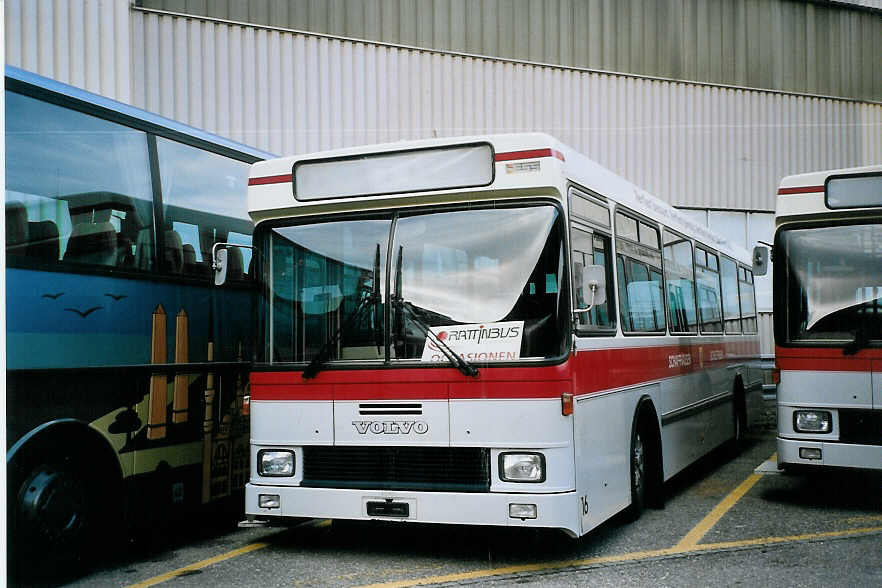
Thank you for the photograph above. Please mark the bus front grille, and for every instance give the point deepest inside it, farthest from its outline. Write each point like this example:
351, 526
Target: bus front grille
862, 427
437, 469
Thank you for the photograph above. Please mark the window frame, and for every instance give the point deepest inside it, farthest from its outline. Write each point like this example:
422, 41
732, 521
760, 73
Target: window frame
708, 251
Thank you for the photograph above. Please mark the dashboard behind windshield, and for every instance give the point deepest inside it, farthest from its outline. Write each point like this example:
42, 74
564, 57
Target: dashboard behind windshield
488, 282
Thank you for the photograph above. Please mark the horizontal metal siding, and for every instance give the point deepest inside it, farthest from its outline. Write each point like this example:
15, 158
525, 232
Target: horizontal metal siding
790, 45
695, 145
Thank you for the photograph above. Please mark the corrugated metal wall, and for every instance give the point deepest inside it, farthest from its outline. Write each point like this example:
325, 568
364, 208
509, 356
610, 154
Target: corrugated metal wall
696, 145
791, 45
84, 43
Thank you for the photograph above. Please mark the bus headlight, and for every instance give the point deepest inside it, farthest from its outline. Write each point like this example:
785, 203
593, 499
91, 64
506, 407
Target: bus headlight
275, 463
812, 421
522, 467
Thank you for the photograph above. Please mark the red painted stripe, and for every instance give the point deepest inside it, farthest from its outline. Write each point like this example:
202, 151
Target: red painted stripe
800, 190
282, 179
825, 359
586, 372
529, 154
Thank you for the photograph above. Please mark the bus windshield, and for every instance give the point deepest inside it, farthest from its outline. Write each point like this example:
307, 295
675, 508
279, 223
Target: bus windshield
488, 282
832, 284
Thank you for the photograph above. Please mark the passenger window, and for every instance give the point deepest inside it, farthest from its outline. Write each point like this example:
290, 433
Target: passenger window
707, 286
203, 196
680, 284
592, 249
731, 305
641, 303
748, 304
78, 188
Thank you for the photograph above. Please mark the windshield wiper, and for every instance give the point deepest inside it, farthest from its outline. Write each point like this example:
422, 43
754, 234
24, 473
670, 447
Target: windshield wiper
401, 304
315, 366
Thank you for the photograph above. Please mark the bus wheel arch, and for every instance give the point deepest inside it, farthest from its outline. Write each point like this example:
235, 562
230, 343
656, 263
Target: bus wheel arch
64, 489
645, 460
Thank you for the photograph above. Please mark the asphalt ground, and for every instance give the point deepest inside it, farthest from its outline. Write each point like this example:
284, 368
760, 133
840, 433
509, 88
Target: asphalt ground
723, 524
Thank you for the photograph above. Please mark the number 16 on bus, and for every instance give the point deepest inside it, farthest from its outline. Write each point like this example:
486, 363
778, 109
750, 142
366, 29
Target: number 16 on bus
492, 330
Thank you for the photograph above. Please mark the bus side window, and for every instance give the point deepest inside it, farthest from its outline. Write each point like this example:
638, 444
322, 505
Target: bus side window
75, 198
680, 284
748, 304
638, 263
707, 282
203, 197
592, 249
731, 304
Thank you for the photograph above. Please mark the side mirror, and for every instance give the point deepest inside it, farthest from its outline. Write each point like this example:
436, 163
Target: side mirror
592, 280
760, 260
220, 266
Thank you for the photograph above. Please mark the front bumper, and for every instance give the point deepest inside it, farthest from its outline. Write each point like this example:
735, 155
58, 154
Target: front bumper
845, 455
559, 510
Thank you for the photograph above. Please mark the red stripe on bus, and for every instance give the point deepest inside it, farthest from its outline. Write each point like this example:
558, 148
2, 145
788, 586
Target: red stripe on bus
529, 154
815, 359
588, 372
282, 179
801, 190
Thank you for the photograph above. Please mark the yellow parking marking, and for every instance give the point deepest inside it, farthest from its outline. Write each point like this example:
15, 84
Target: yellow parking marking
199, 565
625, 557
315, 523
713, 517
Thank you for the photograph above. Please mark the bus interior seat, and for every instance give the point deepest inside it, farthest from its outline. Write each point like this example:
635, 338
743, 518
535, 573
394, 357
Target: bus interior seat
235, 264
173, 252
191, 266
93, 242
43, 241
144, 249
16, 228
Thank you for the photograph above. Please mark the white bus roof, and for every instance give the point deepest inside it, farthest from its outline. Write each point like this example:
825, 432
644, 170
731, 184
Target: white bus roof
271, 194
805, 194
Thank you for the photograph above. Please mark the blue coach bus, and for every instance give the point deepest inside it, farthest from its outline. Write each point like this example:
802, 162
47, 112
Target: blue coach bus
126, 370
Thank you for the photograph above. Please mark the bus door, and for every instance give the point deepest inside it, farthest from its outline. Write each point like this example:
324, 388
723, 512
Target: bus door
876, 366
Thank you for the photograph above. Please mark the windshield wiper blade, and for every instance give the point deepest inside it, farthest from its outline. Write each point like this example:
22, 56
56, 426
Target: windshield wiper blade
318, 362
399, 302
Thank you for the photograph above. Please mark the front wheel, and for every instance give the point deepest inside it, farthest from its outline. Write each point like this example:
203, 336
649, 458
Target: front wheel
57, 515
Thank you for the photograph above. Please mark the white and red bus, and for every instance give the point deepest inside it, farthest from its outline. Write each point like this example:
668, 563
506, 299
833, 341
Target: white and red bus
490, 330
828, 318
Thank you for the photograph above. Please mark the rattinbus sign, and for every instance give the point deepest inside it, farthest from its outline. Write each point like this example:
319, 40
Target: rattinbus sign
477, 342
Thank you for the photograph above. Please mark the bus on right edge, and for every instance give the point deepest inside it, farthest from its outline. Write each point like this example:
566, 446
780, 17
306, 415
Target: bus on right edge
828, 319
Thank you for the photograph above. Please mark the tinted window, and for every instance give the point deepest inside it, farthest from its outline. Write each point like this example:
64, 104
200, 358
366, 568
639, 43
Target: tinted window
78, 188
731, 306
203, 196
707, 287
592, 250
679, 284
641, 302
748, 304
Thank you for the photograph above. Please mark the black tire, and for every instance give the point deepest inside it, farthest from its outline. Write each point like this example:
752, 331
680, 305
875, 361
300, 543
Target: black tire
637, 458
739, 417
58, 516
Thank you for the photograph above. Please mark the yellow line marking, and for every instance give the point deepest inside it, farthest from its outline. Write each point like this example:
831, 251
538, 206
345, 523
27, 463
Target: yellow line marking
199, 565
625, 557
713, 517
315, 523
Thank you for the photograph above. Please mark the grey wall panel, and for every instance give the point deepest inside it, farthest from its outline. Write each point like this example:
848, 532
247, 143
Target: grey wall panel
791, 45
84, 43
696, 145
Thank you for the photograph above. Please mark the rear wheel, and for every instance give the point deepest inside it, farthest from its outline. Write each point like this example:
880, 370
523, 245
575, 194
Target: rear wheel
637, 459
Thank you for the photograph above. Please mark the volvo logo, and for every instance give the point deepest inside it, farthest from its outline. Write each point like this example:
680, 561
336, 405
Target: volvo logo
391, 427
